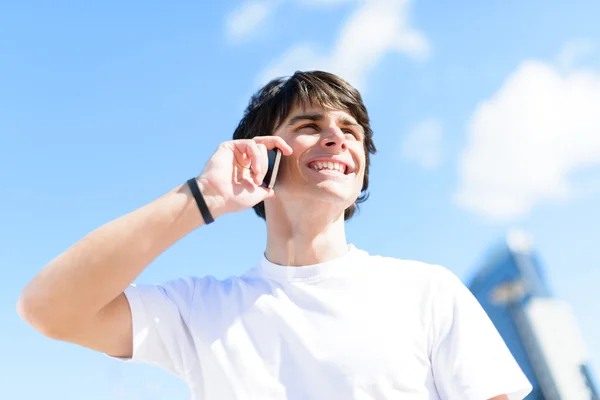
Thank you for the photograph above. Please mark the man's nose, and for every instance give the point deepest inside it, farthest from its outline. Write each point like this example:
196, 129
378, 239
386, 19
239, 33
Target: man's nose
334, 138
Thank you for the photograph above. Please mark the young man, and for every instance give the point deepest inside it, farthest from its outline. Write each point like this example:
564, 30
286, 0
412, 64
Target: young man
316, 318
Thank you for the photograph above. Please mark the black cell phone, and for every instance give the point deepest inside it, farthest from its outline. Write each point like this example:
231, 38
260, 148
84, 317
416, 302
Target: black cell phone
271, 175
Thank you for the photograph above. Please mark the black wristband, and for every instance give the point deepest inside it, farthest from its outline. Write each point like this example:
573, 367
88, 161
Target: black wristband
206, 215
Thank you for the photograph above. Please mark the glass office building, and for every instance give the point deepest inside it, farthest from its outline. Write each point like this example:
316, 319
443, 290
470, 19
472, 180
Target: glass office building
540, 330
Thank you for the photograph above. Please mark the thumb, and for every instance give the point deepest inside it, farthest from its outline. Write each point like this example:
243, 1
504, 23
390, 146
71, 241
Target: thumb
270, 193
267, 193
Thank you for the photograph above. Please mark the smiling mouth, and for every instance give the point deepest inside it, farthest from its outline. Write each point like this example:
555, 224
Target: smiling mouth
329, 166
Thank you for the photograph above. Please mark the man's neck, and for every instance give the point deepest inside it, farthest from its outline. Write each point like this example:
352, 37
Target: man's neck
312, 238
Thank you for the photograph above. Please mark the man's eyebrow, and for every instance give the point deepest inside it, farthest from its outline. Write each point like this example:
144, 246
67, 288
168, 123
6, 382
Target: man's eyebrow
310, 117
320, 117
349, 122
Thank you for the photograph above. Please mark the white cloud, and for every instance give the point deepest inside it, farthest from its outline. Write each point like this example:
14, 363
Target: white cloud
526, 141
245, 19
423, 144
375, 28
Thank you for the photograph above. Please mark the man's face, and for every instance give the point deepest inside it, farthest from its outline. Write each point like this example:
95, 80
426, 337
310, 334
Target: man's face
328, 161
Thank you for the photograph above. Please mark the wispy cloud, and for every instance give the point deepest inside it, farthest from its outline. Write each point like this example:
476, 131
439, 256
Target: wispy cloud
374, 29
244, 20
526, 141
323, 3
575, 51
424, 145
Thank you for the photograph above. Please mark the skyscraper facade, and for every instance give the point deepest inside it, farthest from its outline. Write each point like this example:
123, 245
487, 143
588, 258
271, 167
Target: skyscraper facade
540, 330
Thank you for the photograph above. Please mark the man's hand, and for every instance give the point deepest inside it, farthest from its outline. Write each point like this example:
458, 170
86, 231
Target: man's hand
232, 177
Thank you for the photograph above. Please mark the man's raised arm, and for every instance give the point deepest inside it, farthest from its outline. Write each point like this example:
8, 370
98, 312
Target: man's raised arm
78, 297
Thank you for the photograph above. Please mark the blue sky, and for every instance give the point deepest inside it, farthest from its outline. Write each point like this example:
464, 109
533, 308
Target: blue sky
486, 118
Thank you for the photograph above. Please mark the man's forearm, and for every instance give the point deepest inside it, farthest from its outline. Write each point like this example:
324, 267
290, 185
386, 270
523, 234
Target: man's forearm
80, 282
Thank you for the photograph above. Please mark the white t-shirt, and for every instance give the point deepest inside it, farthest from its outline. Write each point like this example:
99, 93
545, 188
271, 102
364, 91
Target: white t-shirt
359, 327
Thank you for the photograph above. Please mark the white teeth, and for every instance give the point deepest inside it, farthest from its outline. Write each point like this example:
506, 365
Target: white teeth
329, 165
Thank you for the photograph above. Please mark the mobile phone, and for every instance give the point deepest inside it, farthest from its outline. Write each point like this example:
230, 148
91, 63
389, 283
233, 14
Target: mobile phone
271, 175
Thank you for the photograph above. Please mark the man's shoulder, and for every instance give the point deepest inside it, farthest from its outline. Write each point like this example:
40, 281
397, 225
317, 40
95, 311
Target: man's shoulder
190, 284
408, 267
440, 281
204, 294
410, 272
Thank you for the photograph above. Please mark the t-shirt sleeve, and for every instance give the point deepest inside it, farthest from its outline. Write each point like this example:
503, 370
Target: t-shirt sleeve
469, 358
160, 318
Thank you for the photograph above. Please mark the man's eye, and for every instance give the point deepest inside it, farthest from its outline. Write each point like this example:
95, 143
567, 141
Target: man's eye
351, 133
308, 126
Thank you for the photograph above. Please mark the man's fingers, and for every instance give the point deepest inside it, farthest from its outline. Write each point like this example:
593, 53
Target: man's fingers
254, 153
263, 164
271, 142
258, 160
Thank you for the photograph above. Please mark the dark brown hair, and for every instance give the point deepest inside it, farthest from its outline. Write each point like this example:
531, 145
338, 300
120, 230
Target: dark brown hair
271, 105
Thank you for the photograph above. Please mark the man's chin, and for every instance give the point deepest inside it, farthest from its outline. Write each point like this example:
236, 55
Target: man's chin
326, 191
330, 194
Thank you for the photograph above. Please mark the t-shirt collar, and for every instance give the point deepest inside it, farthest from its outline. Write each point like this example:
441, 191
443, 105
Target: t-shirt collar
306, 272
